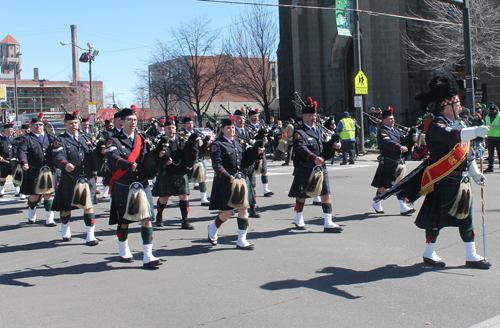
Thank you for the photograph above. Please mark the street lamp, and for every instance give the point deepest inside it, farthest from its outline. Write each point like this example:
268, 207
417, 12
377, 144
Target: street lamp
88, 56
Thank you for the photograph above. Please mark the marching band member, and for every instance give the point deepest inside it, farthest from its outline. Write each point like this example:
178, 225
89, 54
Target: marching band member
228, 161
15, 144
172, 179
6, 155
34, 154
389, 169
242, 135
126, 152
311, 150
255, 127
72, 153
187, 130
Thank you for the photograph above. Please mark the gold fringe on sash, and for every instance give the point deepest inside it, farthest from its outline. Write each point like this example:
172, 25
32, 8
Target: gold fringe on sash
18, 176
315, 182
461, 207
239, 192
81, 195
400, 173
137, 204
44, 185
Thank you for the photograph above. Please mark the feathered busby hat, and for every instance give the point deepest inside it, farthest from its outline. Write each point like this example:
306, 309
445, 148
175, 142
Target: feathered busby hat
226, 121
253, 112
386, 114
239, 112
37, 119
85, 119
127, 112
117, 115
443, 90
8, 125
309, 106
170, 121
71, 116
187, 118
25, 126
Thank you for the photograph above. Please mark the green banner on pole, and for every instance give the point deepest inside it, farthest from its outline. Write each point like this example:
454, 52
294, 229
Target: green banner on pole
343, 17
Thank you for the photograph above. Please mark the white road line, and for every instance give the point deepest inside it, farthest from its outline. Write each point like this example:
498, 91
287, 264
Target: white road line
490, 323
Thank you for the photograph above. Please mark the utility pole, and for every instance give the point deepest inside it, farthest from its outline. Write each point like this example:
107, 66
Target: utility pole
469, 72
357, 68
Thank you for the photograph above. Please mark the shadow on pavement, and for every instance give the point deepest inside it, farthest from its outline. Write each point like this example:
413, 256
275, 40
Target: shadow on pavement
332, 277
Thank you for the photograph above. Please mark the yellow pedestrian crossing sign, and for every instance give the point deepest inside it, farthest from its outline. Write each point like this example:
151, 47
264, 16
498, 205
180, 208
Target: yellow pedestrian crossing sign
361, 83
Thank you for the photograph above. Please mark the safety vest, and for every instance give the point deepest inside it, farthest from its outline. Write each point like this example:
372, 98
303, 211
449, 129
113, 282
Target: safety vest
494, 127
348, 130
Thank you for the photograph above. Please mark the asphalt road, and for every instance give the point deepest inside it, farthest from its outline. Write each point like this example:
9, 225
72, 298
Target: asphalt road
371, 275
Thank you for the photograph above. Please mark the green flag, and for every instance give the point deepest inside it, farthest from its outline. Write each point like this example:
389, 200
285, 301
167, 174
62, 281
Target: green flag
343, 17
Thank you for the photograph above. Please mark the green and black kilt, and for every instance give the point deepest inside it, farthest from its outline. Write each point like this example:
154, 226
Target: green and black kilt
30, 179
119, 196
221, 192
300, 179
385, 172
437, 204
171, 185
5, 169
64, 193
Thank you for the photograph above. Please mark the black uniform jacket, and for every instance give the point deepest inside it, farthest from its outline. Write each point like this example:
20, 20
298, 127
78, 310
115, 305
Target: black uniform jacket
307, 145
118, 149
226, 157
178, 166
33, 152
389, 142
6, 147
67, 150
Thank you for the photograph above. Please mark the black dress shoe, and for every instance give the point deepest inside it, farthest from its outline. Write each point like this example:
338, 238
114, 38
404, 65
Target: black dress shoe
186, 225
159, 220
1, 196
126, 259
333, 230
92, 243
343, 163
205, 204
50, 224
316, 203
351, 163
16, 195
483, 264
31, 222
299, 227
489, 169
411, 211
246, 248
268, 194
431, 262
196, 188
152, 265
67, 239
253, 214
285, 164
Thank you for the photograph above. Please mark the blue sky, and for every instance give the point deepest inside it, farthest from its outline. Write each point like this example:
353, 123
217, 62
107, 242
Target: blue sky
124, 32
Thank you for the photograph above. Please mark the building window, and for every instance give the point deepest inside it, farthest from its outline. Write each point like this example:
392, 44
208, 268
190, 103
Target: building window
55, 90
20, 91
21, 101
34, 90
26, 91
41, 91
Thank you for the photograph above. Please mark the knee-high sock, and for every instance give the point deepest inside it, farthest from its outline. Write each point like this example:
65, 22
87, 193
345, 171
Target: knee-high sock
327, 208
264, 178
31, 204
218, 222
431, 235
147, 235
47, 205
89, 219
203, 187
184, 206
160, 207
299, 206
242, 224
65, 219
122, 233
468, 234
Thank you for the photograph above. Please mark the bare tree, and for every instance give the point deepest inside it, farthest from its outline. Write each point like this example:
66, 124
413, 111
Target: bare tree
434, 45
254, 41
200, 65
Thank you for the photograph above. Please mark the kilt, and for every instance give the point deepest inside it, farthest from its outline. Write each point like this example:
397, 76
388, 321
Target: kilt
437, 204
385, 173
300, 179
119, 202
221, 192
5, 169
64, 194
164, 185
30, 180
93, 187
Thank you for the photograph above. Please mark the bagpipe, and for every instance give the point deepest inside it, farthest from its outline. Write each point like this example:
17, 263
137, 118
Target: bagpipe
321, 124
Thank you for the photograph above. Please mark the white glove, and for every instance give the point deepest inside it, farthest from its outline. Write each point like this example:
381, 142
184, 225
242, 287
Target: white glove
468, 134
476, 174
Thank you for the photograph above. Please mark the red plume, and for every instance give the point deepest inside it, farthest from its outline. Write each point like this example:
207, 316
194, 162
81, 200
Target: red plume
46, 121
256, 109
190, 115
233, 118
242, 109
391, 109
30, 123
88, 118
11, 124
315, 105
172, 118
134, 107
310, 99
76, 113
162, 120
40, 115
